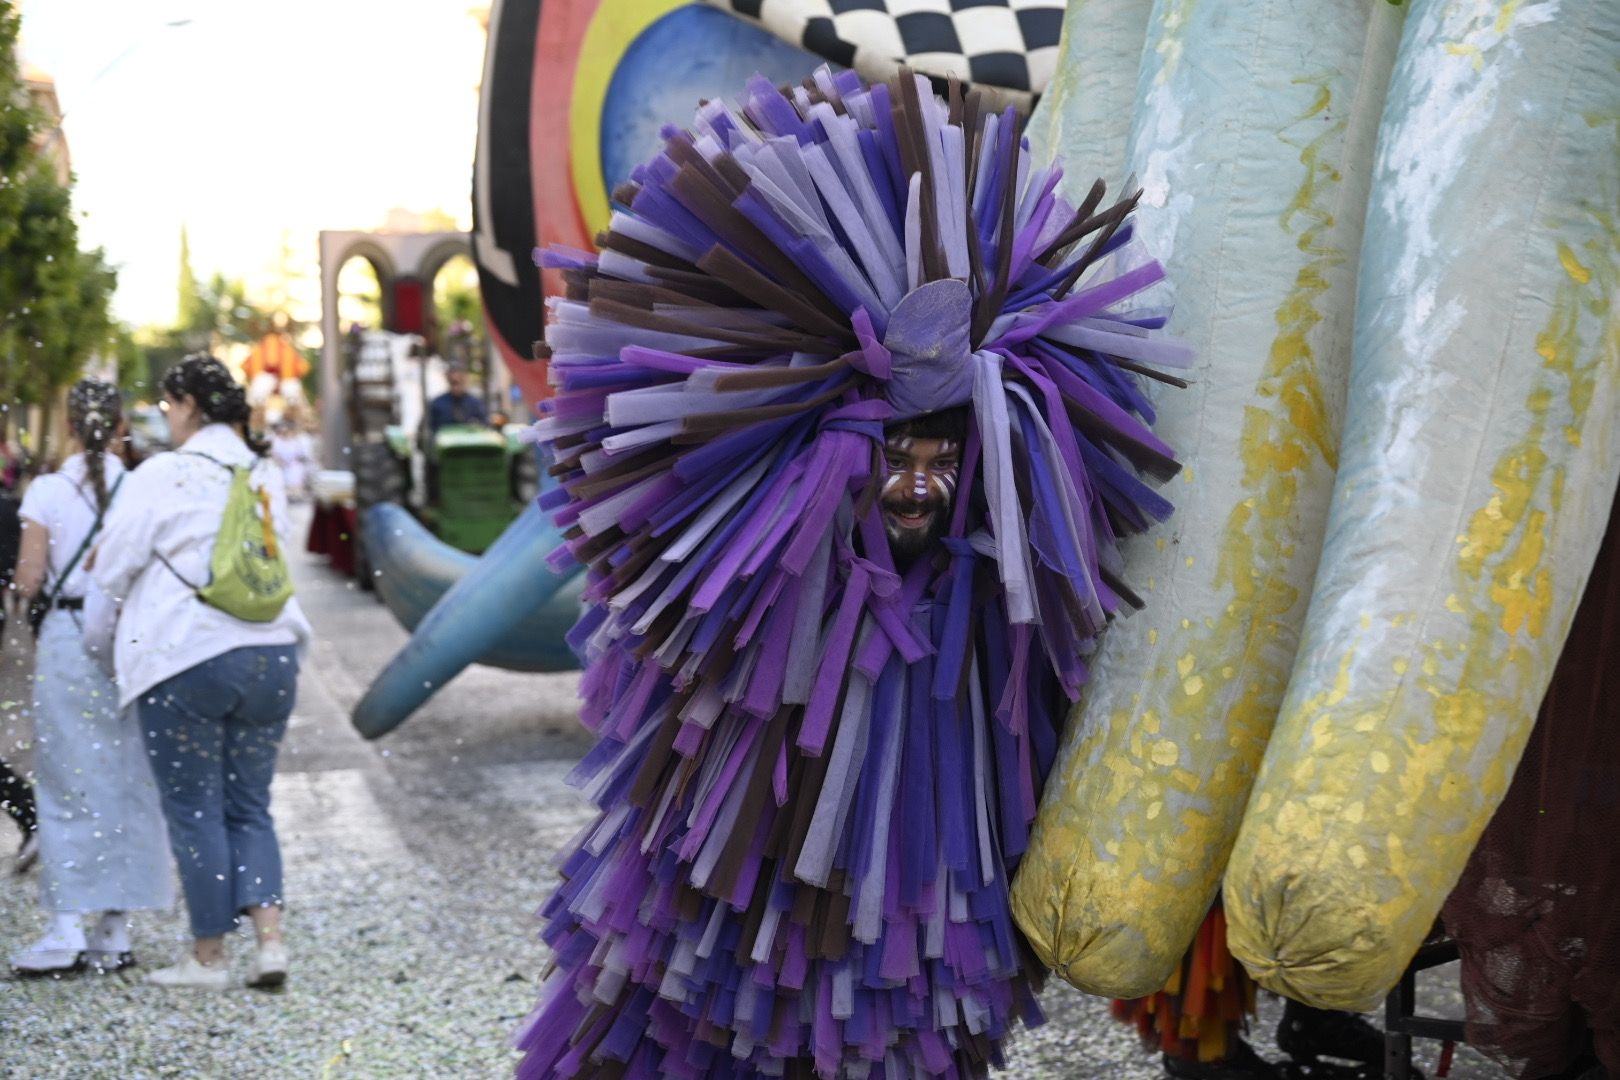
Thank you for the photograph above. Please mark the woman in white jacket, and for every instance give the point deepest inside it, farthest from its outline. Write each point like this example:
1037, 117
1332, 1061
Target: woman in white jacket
213, 691
100, 829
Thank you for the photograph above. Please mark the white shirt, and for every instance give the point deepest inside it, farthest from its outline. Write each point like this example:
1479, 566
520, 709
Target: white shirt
173, 505
64, 502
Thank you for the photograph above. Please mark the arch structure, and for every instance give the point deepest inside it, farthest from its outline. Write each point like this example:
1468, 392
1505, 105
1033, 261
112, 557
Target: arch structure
405, 264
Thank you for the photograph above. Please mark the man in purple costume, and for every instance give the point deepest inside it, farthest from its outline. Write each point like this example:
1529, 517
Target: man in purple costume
848, 426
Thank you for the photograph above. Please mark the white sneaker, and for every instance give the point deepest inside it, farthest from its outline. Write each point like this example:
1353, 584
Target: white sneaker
269, 968
60, 949
108, 943
191, 974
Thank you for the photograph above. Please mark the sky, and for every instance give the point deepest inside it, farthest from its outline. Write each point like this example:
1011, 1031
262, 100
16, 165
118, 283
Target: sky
254, 125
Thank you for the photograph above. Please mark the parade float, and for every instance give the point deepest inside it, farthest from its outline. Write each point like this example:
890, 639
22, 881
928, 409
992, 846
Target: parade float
1391, 230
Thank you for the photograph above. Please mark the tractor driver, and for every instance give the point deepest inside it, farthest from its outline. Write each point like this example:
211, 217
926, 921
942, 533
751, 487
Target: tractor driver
455, 405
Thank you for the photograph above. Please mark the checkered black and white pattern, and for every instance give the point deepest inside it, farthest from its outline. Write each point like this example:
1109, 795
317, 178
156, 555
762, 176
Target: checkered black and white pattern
1008, 45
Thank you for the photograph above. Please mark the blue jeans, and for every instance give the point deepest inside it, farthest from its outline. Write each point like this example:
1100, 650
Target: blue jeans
212, 733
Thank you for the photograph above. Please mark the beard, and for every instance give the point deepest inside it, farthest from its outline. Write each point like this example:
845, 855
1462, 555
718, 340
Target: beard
913, 527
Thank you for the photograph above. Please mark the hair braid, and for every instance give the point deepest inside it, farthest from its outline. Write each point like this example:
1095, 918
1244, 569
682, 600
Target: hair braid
94, 411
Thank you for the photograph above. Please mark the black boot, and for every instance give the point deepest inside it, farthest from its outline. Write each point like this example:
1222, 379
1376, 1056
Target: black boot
1330, 1045
1241, 1064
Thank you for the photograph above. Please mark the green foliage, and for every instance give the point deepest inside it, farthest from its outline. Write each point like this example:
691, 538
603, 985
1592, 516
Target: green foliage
134, 378
187, 287
312, 376
54, 298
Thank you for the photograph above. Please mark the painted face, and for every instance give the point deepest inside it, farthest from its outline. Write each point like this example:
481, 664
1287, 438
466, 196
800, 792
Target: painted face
918, 491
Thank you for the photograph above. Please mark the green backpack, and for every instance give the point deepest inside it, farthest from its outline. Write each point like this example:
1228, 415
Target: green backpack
248, 575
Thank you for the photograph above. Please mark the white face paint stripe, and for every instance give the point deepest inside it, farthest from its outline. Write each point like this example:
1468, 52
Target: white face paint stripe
924, 481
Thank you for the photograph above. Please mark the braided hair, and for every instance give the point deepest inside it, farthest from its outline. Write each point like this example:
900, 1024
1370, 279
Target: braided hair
94, 412
221, 399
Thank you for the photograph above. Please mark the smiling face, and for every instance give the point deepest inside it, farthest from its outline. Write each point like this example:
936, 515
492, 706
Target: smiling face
918, 491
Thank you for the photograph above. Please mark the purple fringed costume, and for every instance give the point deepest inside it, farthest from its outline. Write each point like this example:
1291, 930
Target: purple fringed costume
817, 770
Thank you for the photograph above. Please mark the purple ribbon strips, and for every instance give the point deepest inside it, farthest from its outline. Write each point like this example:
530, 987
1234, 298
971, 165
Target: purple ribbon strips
817, 769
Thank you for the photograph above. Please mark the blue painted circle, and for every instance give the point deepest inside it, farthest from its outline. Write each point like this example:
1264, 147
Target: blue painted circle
692, 54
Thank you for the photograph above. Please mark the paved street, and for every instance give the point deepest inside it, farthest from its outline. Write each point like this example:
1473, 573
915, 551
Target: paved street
413, 868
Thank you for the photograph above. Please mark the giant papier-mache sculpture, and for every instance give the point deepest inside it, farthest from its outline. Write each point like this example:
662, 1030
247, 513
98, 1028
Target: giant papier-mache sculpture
828, 690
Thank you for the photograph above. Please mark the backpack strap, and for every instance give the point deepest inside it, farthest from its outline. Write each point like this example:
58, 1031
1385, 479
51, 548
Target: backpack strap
229, 468
176, 573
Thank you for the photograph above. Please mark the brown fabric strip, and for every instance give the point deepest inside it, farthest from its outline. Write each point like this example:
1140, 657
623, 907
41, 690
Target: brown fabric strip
757, 804
767, 377
688, 902
641, 295
748, 282
713, 206
1082, 213
1113, 582
658, 633
627, 471
813, 779
644, 791
1093, 253
645, 319
653, 257
933, 255
804, 905
1144, 458
834, 938
990, 301
700, 285
710, 424
644, 557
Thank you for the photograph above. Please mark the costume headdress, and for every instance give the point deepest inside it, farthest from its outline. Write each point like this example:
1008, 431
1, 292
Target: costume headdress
786, 277
789, 275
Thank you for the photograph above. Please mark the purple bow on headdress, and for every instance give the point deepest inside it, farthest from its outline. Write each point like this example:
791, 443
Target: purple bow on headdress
925, 357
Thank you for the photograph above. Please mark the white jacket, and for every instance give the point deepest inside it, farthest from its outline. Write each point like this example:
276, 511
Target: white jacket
173, 505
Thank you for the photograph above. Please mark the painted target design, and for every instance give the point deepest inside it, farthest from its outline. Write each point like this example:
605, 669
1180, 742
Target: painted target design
574, 95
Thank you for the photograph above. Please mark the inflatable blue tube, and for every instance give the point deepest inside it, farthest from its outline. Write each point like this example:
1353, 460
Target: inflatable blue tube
507, 609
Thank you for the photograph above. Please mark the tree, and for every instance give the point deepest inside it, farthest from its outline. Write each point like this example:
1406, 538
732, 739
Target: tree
187, 287
54, 299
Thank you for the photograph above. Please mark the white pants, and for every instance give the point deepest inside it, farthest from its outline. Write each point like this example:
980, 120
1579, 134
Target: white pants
102, 841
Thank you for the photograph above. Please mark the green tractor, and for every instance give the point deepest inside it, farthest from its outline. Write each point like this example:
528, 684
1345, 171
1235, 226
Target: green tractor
466, 482
478, 480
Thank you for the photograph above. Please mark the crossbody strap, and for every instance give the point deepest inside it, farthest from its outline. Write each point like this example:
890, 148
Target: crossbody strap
73, 563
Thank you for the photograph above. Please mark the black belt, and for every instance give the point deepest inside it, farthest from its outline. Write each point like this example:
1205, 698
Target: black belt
69, 603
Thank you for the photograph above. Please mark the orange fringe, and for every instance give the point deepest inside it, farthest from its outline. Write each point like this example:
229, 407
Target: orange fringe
1202, 1010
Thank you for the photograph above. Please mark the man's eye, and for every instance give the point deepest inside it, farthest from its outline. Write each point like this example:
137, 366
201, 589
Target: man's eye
896, 463
946, 465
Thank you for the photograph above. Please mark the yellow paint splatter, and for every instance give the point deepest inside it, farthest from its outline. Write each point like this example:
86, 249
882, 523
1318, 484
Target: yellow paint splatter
1441, 744
1572, 265
1476, 57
